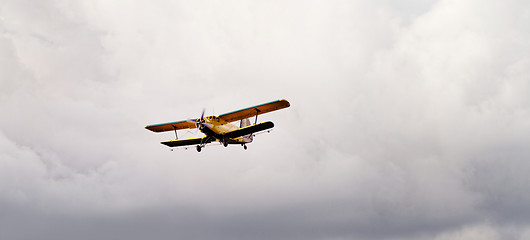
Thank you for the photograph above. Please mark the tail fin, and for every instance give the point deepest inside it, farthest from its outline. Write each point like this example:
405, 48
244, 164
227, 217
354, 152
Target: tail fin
247, 138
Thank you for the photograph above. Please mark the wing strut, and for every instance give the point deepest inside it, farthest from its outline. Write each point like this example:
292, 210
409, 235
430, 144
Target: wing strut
176, 136
257, 113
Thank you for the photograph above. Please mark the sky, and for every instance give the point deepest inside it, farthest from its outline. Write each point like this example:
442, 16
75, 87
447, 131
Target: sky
408, 119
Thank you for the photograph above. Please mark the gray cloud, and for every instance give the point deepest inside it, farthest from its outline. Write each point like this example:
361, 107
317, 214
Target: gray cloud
407, 121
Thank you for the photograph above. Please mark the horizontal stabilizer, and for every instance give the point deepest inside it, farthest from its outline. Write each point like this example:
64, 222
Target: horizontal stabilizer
250, 129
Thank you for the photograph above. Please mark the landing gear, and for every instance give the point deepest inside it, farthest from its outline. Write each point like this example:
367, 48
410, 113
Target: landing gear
199, 148
244, 146
225, 143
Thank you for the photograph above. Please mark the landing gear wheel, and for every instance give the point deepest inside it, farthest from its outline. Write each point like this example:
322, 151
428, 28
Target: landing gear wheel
199, 148
225, 144
245, 147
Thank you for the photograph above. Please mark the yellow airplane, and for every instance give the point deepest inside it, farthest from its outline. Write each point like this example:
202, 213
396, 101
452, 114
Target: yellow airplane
219, 128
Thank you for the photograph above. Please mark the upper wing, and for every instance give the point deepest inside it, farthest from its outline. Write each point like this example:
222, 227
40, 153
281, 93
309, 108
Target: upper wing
256, 110
249, 129
185, 142
171, 126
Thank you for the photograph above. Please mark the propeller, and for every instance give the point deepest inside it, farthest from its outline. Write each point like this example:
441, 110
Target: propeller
200, 122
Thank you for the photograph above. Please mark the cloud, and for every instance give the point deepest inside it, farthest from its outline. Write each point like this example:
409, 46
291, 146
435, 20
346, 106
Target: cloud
407, 121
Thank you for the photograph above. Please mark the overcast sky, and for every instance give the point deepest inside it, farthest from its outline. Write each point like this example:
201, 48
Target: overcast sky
408, 119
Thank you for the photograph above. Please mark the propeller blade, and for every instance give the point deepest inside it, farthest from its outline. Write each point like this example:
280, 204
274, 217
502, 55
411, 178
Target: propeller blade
191, 121
200, 121
202, 115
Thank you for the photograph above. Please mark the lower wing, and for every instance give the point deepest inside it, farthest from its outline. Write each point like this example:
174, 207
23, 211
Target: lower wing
249, 129
186, 142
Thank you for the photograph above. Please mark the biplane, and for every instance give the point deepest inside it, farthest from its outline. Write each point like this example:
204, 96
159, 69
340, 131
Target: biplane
220, 128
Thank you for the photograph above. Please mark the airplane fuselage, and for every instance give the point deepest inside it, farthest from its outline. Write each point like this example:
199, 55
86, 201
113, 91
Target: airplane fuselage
217, 129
